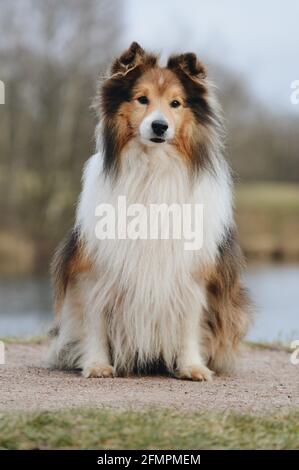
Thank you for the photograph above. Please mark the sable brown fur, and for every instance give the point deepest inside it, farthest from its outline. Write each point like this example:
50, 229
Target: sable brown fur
69, 260
122, 312
115, 96
229, 312
116, 91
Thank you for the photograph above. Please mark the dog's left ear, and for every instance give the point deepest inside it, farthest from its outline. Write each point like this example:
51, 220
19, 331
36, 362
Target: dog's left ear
129, 59
189, 64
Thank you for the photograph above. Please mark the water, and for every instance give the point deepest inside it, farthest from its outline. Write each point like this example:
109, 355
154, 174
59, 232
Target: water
275, 292
25, 304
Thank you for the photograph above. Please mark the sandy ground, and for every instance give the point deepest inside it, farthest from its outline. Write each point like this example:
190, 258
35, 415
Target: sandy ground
265, 381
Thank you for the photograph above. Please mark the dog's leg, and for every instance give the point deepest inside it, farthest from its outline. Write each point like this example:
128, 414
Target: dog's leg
190, 363
96, 358
65, 350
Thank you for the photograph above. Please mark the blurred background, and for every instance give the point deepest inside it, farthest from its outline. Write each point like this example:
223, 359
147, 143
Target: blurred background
51, 52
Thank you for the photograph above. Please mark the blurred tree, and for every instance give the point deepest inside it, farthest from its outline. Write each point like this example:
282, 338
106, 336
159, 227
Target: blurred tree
50, 56
260, 146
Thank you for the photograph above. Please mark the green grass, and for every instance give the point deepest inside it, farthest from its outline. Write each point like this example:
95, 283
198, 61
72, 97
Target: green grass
268, 196
156, 429
267, 217
272, 346
24, 340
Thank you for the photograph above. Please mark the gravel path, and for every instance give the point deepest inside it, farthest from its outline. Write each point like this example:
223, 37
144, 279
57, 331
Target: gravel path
265, 381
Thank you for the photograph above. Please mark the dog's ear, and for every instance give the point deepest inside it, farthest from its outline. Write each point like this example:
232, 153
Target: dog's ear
189, 64
129, 59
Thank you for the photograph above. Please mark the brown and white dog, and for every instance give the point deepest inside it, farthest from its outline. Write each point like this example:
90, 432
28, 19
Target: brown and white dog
128, 305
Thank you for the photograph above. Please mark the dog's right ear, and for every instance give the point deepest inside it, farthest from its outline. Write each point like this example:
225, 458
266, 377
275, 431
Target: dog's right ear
132, 58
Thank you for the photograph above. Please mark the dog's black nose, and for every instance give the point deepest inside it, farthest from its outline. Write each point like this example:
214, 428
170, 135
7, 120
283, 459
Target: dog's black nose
159, 127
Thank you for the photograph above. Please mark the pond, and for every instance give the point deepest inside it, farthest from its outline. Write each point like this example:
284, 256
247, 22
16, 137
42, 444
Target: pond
25, 304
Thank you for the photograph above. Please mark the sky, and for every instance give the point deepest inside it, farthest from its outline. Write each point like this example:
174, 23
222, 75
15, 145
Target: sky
257, 39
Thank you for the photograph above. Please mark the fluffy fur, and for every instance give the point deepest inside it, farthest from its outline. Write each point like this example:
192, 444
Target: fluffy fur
130, 305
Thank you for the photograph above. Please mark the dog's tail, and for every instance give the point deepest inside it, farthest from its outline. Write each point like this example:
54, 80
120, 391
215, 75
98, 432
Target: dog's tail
62, 266
70, 259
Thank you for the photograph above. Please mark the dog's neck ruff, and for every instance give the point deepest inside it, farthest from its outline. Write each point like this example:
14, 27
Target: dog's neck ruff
146, 286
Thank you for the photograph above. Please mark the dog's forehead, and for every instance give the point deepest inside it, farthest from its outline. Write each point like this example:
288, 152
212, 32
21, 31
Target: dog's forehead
159, 80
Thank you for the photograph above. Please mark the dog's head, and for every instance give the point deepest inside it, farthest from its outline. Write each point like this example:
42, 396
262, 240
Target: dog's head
154, 105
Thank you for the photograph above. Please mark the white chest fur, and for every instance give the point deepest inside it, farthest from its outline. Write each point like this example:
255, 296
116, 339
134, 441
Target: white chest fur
146, 286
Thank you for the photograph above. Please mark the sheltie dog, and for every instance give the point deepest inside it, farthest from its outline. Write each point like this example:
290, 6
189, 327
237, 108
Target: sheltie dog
125, 306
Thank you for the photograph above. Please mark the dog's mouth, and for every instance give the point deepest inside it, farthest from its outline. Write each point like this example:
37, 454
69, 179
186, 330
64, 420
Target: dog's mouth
157, 140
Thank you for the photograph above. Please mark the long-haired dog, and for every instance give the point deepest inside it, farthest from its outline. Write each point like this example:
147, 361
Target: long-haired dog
126, 305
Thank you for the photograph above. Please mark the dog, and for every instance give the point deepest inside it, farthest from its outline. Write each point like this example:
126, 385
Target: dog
127, 305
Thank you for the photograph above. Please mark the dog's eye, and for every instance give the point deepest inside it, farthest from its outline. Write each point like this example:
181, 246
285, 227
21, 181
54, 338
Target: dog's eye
143, 100
175, 104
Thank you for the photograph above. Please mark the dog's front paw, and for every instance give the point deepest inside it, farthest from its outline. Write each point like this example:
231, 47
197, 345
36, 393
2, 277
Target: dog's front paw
197, 372
97, 369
